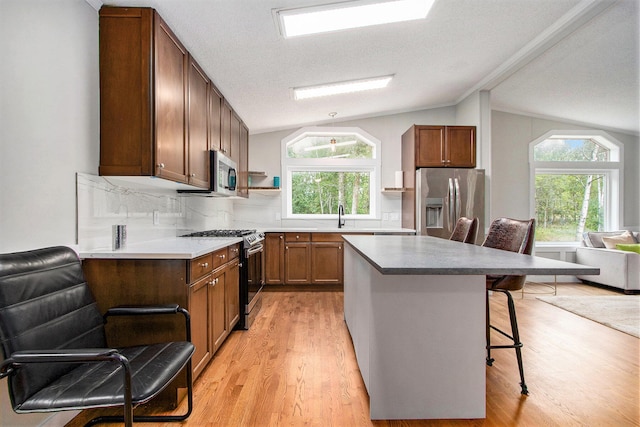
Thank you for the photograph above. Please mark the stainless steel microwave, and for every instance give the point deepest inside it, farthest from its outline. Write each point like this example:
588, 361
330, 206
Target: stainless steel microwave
223, 177
223, 174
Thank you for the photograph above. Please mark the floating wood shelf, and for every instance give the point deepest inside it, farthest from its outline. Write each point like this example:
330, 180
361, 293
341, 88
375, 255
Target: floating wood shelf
257, 173
265, 189
394, 190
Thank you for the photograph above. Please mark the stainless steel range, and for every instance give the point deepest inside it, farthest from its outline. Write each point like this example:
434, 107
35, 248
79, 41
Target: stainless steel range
251, 270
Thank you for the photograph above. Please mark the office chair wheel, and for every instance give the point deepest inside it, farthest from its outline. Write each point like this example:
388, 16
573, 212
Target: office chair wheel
490, 361
524, 390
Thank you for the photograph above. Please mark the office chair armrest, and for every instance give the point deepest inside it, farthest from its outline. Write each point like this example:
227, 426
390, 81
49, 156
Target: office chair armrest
137, 310
81, 355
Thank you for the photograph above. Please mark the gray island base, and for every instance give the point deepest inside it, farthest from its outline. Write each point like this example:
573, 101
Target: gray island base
415, 309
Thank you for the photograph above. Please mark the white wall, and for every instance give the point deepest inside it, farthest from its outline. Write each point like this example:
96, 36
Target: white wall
49, 130
49, 118
265, 155
511, 135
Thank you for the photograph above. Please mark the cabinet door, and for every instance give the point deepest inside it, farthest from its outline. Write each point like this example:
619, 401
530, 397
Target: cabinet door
200, 326
430, 146
232, 294
326, 263
170, 89
215, 115
297, 263
461, 146
225, 128
218, 316
243, 163
235, 137
198, 144
274, 259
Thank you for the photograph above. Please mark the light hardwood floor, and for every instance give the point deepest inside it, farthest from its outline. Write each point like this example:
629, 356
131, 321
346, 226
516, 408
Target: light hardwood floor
296, 367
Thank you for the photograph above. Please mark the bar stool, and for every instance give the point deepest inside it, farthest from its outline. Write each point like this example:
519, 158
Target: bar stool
515, 236
465, 230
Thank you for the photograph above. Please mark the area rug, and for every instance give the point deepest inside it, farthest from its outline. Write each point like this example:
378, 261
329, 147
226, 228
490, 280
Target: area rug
618, 312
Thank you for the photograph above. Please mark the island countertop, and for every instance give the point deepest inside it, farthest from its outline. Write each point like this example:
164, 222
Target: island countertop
422, 255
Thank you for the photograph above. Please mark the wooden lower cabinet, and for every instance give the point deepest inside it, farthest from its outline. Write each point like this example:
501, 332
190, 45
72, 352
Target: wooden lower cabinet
200, 311
304, 258
207, 286
232, 294
297, 263
274, 258
327, 262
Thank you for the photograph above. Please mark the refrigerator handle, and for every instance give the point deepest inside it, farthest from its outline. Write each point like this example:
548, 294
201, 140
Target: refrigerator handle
450, 199
458, 200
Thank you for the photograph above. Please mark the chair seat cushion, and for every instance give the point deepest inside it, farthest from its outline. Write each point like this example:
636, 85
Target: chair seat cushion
100, 384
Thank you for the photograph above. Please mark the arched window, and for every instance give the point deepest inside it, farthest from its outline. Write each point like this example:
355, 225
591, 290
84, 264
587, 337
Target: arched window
324, 168
576, 180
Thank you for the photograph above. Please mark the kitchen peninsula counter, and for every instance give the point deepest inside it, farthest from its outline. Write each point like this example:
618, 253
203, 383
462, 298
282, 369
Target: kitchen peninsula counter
415, 309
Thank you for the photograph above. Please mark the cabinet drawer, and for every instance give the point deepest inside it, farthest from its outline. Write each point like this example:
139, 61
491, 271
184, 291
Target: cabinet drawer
234, 251
220, 257
297, 237
326, 237
200, 266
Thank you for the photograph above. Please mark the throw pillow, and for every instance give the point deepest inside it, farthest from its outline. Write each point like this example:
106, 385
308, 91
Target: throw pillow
594, 238
625, 238
635, 247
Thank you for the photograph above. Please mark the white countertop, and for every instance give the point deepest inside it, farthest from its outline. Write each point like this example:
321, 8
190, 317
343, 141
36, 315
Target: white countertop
343, 230
169, 248
432, 255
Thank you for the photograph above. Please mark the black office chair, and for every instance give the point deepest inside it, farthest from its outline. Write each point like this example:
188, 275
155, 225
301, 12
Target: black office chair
465, 231
54, 344
515, 236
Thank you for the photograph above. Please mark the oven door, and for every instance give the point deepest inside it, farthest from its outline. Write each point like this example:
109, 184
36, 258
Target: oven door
254, 258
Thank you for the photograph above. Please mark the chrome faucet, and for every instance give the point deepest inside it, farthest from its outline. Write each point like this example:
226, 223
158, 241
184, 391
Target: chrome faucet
340, 213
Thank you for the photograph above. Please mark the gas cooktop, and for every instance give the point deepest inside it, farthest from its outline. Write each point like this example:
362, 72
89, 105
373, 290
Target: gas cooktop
220, 233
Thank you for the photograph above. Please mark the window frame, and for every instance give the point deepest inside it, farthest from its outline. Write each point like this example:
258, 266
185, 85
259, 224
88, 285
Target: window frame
613, 169
290, 165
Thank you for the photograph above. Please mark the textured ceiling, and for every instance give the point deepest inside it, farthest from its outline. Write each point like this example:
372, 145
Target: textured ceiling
516, 48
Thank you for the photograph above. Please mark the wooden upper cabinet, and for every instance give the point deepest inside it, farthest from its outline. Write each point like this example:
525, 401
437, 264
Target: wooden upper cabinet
215, 116
235, 137
171, 59
198, 132
225, 128
243, 163
159, 112
439, 146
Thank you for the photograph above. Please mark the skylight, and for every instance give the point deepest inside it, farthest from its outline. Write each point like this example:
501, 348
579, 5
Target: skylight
342, 87
352, 14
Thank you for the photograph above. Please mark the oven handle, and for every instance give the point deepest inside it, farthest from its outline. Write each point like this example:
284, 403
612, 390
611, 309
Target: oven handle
255, 250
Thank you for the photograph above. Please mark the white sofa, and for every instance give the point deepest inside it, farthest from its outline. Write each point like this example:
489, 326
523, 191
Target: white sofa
619, 269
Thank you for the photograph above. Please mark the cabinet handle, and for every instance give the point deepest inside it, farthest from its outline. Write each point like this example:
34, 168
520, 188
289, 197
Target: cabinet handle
161, 165
193, 175
297, 237
204, 265
281, 237
222, 256
286, 247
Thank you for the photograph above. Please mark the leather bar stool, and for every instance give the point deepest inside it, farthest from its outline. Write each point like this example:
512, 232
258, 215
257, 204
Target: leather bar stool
515, 236
465, 231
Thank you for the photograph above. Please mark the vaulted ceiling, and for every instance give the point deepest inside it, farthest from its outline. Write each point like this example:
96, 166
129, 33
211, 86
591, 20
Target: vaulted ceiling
575, 60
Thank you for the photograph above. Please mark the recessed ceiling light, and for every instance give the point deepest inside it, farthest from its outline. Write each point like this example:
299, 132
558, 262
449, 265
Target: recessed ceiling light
351, 14
342, 87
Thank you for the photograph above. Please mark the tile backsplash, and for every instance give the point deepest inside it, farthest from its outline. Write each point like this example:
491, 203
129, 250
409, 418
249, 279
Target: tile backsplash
149, 213
152, 213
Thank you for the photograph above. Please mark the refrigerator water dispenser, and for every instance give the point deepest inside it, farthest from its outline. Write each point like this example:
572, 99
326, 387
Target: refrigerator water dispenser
434, 206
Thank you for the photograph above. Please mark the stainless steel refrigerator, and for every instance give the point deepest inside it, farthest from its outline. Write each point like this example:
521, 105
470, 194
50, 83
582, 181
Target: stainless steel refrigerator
443, 195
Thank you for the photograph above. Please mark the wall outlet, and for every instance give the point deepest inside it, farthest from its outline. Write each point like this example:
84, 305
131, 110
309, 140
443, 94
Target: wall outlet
156, 217
395, 216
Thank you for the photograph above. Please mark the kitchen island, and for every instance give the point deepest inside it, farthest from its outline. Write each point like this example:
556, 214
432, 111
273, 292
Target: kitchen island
415, 309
